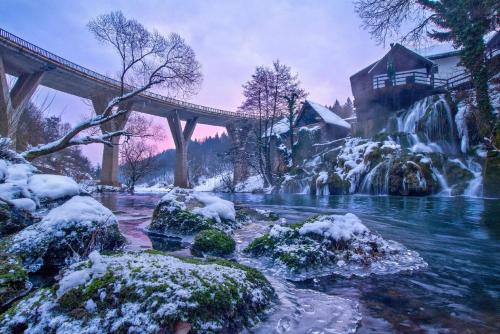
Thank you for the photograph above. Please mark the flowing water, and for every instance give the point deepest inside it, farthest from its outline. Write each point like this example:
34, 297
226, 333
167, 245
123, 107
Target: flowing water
458, 237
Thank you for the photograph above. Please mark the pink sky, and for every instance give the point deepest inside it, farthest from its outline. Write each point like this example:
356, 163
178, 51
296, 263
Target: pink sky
321, 40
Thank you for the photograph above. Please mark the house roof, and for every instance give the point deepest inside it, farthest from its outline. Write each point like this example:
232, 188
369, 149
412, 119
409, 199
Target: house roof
395, 48
399, 48
327, 115
437, 51
282, 126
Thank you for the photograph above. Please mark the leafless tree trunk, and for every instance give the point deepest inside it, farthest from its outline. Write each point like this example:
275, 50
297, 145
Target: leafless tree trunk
265, 95
148, 60
137, 152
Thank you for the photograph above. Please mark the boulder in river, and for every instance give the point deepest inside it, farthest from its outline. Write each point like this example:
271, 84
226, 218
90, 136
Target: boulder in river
67, 233
213, 242
146, 292
328, 244
186, 212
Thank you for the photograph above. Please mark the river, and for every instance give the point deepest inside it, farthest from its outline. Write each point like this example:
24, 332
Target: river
458, 237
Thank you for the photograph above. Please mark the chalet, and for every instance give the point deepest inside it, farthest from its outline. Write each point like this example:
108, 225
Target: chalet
314, 115
404, 76
394, 73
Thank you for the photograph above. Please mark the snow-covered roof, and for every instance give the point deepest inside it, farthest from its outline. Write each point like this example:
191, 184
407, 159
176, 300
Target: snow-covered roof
328, 116
437, 50
282, 126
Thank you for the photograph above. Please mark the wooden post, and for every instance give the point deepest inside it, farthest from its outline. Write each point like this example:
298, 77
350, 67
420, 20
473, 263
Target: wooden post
181, 140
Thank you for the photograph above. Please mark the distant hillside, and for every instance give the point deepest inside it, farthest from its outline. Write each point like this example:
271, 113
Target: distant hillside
203, 160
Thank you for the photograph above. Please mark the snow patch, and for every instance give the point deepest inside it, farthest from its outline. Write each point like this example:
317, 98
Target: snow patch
336, 227
52, 187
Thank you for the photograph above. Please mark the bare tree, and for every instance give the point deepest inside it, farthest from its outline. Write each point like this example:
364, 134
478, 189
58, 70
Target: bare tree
463, 22
137, 152
148, 60
267, 94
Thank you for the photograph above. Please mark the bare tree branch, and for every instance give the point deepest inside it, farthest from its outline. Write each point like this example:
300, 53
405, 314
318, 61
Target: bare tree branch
147, 58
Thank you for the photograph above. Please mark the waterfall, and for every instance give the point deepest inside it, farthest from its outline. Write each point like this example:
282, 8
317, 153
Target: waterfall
376, 182
445, 189
475, 187
322, 184
430, 125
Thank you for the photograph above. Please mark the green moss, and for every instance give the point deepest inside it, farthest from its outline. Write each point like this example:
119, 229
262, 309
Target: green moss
13, 279
291, 260
213, 242
178, 221
244, 213
296, 226
261, 246
76, 297
492, 175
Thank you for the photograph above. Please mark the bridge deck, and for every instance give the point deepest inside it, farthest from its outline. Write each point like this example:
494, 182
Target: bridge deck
62, 75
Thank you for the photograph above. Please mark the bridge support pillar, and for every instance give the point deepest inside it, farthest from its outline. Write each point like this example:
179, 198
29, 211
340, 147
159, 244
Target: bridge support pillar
110, 154
181, 137
238, 134
13, 101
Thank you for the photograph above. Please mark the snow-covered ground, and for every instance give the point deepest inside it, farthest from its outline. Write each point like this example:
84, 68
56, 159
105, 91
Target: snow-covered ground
159, 187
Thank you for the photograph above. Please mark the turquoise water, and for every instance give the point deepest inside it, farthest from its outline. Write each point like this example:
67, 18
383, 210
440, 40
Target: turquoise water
458, 237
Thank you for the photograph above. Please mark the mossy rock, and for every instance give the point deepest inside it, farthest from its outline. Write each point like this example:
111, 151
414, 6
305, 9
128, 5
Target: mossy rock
409, 178
336, 185
213, 242
245, 214
491, 175
326, 244
458, 177
13, 219
178, 221
147, 292
13, 280
180, 212
65, 233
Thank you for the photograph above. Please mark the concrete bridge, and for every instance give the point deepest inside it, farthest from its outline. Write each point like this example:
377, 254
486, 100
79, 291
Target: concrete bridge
34, 66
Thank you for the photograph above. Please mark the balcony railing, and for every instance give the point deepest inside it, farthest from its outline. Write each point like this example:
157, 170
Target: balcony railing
419, 78
60, 62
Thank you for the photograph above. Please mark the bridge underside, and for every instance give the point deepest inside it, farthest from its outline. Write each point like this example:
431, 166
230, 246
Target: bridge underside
33, 66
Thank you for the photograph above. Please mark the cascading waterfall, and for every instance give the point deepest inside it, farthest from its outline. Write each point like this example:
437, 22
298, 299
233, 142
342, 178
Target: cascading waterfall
445, 189
423, 150
430, 126
376, 182
475, 187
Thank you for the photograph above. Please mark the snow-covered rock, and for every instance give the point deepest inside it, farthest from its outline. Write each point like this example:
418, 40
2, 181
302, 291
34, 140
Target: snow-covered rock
13, 280
335, 244
66, 234
47, 187
253, 184
184, 211
145, 292
14, 218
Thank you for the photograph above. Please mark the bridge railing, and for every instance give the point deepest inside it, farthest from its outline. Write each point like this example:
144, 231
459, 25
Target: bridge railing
61, 62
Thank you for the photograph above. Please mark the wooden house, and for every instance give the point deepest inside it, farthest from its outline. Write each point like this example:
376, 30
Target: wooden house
314, 115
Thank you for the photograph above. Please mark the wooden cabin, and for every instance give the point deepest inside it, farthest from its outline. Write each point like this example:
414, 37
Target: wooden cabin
314, 115
386, 80
394, 82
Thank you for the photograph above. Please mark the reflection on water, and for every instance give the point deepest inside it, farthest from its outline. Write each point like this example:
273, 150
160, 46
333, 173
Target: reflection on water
458, 237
